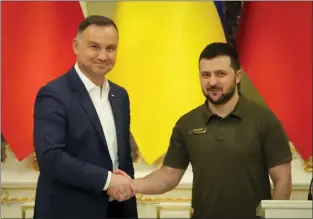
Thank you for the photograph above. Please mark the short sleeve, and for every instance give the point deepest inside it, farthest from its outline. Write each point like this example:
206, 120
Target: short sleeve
177, 155
276, 146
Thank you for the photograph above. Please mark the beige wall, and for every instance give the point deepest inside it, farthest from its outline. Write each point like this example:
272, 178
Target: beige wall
106, 8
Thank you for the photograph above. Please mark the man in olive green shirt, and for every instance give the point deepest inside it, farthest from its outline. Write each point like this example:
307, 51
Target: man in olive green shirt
233, 145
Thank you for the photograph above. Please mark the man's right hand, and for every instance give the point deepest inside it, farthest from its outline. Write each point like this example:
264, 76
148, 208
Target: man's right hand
121, 187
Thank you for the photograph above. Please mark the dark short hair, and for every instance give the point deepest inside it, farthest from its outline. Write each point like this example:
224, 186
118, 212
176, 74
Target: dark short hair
95, 20
221, 49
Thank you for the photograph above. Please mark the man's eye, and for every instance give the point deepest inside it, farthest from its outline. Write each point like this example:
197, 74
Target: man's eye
110, 49
220, 74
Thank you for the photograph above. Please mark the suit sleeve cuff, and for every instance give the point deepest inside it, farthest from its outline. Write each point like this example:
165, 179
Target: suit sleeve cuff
108, 181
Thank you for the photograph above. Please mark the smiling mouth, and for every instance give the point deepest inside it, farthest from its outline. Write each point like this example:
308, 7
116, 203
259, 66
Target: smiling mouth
102, 65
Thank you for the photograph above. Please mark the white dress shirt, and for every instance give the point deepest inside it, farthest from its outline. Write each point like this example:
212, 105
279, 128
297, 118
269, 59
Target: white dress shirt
100, 99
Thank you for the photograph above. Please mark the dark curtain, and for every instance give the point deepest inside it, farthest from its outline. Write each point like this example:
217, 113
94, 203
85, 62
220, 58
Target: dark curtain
232, 11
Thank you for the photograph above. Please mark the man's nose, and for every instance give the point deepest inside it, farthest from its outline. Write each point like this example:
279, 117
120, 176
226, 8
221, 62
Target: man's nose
103, 55
213, 81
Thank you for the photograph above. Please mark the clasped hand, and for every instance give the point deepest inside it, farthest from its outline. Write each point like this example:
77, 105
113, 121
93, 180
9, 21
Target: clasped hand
121, 187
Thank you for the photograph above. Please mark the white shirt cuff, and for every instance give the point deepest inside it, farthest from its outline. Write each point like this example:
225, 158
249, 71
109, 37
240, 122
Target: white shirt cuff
108, 181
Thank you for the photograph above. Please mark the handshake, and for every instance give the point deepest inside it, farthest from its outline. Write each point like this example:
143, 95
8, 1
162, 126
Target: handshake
121, 187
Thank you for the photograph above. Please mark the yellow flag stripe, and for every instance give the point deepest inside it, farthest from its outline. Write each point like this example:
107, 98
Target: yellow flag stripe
157, 63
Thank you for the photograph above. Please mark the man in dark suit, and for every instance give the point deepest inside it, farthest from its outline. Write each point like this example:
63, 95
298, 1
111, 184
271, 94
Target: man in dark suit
81, 134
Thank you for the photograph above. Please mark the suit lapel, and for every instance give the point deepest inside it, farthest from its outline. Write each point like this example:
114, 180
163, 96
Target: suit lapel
84, 99
116, 105
89, 108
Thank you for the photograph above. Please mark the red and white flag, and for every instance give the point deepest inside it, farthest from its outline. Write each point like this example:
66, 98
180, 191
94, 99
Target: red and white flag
36, 48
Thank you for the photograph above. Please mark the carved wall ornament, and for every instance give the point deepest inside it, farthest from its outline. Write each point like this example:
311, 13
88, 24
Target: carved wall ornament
307, 165
4, 147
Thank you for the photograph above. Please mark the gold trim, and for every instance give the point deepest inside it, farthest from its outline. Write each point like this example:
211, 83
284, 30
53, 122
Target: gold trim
34, 162
6, 198
4, 154
157, 199
7, 150
292, 148
173, 208
17, 189
307, 165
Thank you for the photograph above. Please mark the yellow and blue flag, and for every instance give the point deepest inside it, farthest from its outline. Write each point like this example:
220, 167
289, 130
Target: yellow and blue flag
220, 9
157, 62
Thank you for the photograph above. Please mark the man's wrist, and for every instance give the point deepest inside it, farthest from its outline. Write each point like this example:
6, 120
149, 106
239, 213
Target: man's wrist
138, 185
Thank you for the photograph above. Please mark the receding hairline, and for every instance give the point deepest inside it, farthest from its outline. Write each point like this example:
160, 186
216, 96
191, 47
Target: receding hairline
97, 20
81, 32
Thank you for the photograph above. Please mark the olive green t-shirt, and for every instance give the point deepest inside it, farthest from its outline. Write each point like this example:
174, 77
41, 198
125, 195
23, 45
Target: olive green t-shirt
230, 157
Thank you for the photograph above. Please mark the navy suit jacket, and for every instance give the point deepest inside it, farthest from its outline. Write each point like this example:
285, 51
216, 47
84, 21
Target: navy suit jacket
72, 153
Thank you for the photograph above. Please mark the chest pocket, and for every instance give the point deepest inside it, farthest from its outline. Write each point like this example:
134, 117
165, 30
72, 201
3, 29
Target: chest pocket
201, 145
246, 140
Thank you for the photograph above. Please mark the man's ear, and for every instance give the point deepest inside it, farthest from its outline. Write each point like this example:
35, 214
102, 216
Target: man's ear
75, 45
238, 75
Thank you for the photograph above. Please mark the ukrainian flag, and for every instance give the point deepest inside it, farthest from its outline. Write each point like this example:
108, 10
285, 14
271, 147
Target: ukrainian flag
157, 62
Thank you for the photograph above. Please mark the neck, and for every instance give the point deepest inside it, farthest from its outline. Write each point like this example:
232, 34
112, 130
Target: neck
96, 79
224, 109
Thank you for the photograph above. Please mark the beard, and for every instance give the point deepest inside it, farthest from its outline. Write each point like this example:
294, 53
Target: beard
224, 98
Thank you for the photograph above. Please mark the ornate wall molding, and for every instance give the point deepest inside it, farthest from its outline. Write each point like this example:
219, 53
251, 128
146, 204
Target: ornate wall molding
307, 164
17, 195
11, 196
6, 151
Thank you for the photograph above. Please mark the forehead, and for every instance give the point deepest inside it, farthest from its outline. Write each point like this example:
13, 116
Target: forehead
217, 63
100, 34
